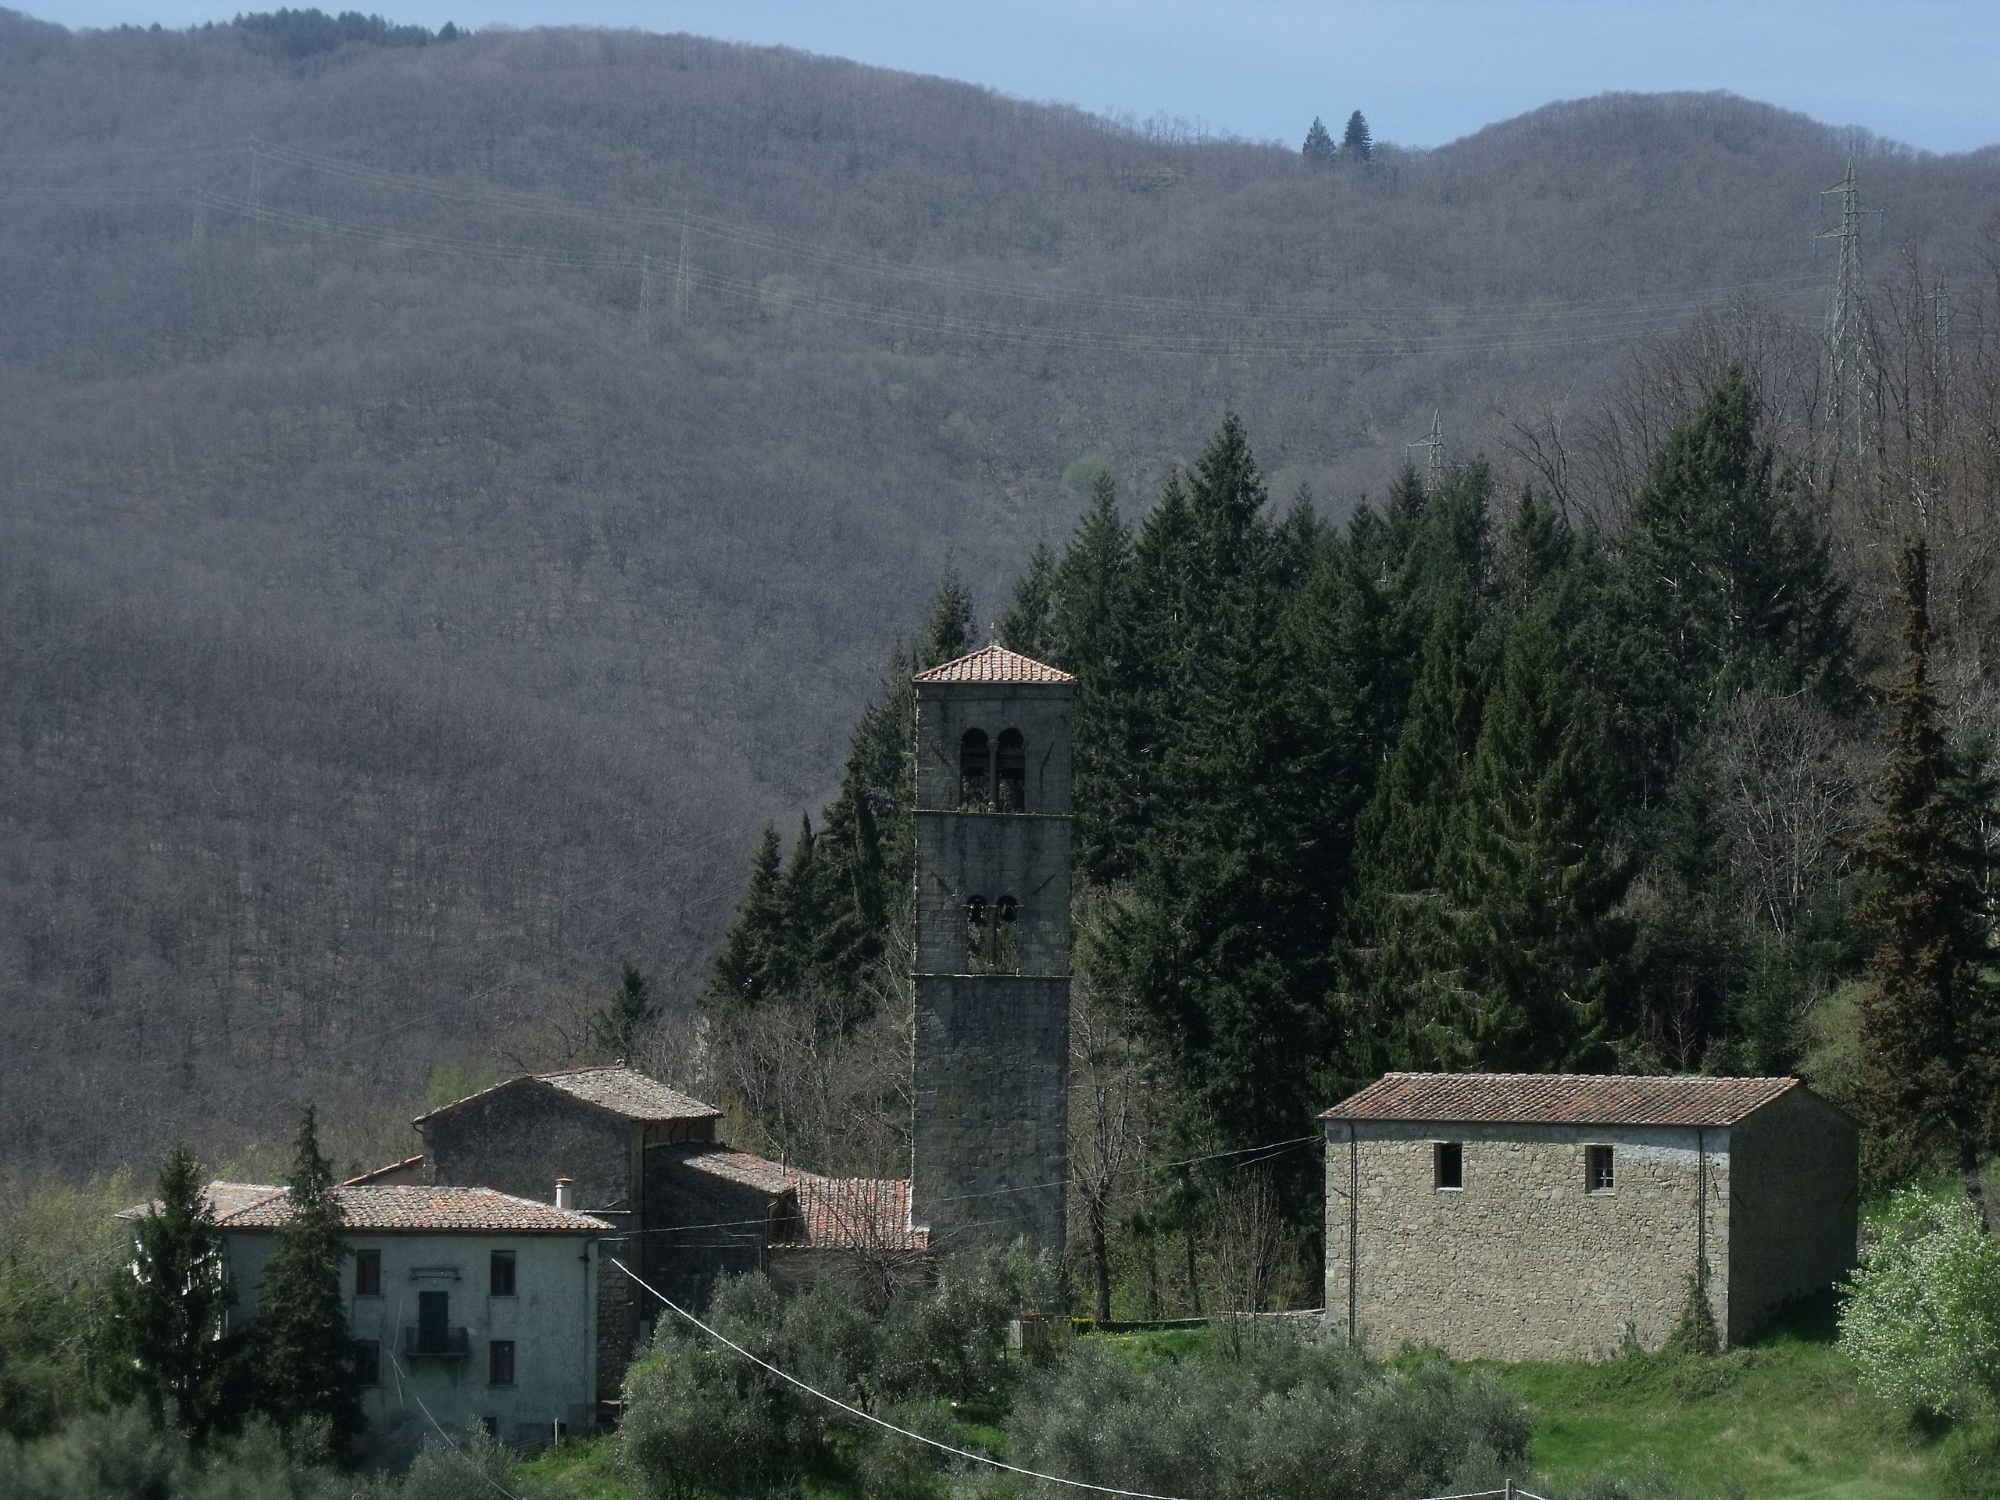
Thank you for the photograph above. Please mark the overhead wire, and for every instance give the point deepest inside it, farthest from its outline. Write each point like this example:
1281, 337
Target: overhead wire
966, 1454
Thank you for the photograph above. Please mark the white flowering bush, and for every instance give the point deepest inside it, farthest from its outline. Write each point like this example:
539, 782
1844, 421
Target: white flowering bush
1921, 1319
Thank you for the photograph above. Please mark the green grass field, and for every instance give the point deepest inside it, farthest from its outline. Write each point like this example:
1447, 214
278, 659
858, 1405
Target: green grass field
1782, 1418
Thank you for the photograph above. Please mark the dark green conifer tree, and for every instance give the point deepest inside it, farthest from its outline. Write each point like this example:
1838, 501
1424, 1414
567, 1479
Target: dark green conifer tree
1319, 146
305, 1359
750, 966
1930, 1025
947, 631
823, 918
1536, 882
1723, 582
1028, 626
1397, 918
615, 1028
1356, 143
169, 1310
1091, 639
1223, 936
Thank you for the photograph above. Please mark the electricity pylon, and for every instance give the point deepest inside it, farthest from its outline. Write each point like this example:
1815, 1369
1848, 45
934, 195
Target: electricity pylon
1434, 462
1846, 346
683, 275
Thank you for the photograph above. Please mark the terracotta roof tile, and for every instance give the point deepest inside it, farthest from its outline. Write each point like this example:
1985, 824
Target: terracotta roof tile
259, 1205
1560, 1099
994, 664
835, 1213
858, 1213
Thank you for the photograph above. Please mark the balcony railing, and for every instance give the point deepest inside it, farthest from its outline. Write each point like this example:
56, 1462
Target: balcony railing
456, 1344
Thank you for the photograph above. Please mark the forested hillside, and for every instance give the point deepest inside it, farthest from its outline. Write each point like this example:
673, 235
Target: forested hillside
455, 495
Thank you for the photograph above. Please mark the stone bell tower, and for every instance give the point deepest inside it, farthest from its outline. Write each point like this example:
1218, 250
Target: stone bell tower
991, 965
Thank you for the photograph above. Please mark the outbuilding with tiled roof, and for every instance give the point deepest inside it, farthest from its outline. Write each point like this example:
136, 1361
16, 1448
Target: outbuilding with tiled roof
1561, 1216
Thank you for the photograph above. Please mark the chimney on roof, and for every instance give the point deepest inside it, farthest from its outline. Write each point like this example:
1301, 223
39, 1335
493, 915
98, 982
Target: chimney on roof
565, 1193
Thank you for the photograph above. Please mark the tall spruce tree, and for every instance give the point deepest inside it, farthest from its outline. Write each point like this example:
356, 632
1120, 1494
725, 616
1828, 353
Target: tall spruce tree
1028, 626
1356, 143
1399, 938
1319, 146
1723, 582
305, 1359
1223, 936
617, 1026
1092, 640
1536, 883
750, 967
947, 631
1930, 1025
169, 1310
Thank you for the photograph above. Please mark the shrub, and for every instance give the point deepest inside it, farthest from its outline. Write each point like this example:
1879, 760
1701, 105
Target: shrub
701, 1420
1921, 1318
121, 1455
1296, 1416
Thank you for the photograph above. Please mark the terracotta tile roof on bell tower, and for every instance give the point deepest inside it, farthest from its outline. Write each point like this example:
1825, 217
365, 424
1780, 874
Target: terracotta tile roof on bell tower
994, 664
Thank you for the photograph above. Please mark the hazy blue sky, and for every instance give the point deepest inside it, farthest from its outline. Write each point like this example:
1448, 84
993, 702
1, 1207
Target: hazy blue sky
1425, 71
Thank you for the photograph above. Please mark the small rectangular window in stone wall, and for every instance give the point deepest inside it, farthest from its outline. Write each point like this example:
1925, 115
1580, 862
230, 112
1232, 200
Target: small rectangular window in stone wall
1597, 1173
502, 1273
1449, 1162
500, 1362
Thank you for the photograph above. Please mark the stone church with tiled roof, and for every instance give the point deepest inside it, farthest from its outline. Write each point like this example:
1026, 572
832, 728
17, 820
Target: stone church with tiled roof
1542, 1216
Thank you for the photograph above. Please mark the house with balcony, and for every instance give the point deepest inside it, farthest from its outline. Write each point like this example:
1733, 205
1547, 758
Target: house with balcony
466, 1305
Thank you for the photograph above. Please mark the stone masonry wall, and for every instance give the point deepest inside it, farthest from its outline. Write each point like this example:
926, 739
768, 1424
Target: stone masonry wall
991, 1122
520, 1139
1792, 1208
1025, 856
991, 1050
1041, 713
1523, 1262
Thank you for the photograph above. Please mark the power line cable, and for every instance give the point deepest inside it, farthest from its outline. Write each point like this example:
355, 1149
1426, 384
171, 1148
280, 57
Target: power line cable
875, 1421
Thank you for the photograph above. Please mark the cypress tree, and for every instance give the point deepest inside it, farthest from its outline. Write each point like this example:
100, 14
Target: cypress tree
305, 1357
1319, 145
1931, 1023
169, 1310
